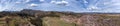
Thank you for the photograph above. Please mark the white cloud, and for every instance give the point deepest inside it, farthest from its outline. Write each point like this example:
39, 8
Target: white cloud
22, 1
42, 0
53, 2
65, 3
93, 8
117, 4
27, 0
17, 2
85, 1
1, 8
33, 5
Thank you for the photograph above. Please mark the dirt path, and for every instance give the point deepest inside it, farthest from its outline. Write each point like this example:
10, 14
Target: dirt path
88, 20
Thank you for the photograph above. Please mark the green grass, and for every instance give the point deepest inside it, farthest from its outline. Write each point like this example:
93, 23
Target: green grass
54, 21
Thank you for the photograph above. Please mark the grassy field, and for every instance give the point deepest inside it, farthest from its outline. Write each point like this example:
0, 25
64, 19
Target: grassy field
54, 21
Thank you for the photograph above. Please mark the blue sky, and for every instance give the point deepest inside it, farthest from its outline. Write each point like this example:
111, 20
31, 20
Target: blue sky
107, 6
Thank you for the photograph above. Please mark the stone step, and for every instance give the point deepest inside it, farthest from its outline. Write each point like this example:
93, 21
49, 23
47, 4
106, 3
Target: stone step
2, 24
2, 18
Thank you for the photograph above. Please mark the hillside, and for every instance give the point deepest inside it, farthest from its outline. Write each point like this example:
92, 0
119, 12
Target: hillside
29, 17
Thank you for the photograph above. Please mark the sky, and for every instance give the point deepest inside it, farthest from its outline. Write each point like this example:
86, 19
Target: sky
104, 6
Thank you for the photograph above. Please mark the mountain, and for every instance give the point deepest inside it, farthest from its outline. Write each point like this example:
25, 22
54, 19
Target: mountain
28, 17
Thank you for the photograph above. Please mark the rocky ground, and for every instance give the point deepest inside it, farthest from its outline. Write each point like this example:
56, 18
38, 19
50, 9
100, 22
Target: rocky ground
52, 18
